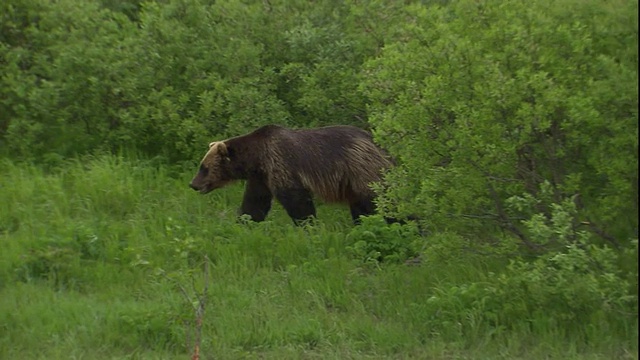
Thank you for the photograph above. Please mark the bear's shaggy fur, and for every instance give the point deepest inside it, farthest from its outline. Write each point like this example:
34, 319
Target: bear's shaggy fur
335, 163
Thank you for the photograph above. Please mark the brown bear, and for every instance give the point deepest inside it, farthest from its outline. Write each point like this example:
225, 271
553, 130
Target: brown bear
335, 163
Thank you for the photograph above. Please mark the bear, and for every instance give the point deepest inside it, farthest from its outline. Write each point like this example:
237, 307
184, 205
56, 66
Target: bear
335, 163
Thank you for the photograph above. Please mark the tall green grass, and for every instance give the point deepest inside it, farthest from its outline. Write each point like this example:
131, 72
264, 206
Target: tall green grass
103, 258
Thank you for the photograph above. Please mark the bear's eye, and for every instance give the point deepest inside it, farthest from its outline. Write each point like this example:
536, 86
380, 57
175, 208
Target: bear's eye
203, 170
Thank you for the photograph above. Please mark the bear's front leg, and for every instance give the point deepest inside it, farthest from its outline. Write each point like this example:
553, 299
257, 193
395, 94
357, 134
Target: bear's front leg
256, 201
361, 207
298, 203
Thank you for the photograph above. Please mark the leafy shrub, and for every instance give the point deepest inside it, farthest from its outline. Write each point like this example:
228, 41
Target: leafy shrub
480, 101
163, 77
580, 280
583, 281
572, 291
375, 241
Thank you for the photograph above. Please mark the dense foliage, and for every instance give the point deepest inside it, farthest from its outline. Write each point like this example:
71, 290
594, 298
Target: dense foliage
514, 125
81, 76
481, 101
486, 101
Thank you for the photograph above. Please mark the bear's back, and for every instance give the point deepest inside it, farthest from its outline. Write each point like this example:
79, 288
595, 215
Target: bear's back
334, 162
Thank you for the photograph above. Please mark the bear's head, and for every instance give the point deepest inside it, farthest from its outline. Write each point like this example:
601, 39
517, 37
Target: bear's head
214, 171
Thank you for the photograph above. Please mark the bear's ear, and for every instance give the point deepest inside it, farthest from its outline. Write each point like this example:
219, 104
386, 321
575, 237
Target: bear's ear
223, 151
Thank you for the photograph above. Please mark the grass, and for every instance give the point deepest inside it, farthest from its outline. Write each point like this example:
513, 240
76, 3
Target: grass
102, 258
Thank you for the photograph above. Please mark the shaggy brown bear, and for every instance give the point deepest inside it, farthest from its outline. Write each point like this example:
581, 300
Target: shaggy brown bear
335, 163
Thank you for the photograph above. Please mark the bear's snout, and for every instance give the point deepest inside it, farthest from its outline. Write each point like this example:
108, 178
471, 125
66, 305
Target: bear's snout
200, 186
194, 187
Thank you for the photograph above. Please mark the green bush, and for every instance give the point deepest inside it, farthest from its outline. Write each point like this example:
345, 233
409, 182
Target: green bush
375, 241
166, 78
578, 282
481, 101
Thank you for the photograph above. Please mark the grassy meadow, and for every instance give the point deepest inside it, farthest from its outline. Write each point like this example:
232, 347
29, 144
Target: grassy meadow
104, 258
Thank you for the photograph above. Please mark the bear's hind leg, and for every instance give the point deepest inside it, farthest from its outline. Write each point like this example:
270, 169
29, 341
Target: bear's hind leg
361, 207
257, 200
298, 203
